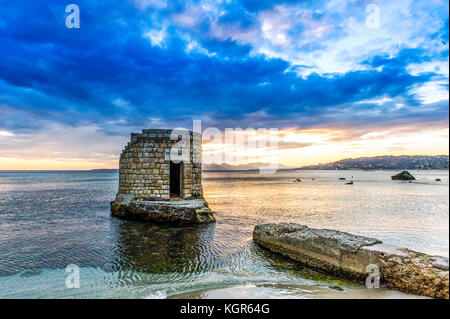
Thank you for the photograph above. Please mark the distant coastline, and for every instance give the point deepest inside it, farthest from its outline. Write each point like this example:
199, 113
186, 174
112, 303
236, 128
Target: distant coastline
414, 162
402, 162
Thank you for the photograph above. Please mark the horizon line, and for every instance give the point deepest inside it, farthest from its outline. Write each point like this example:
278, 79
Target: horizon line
284, 167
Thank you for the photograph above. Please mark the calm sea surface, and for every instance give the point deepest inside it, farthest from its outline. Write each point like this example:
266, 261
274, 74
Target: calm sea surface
49, 220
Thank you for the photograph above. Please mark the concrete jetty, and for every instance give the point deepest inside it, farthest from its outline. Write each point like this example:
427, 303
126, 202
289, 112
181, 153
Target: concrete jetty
356, 257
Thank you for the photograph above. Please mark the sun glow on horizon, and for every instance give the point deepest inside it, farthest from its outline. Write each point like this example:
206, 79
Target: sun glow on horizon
295, 148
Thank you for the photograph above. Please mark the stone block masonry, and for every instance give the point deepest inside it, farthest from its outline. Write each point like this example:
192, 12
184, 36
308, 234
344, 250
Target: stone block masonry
144, 166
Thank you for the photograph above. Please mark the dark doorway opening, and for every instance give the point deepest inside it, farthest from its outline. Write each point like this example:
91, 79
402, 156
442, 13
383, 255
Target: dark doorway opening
175, 179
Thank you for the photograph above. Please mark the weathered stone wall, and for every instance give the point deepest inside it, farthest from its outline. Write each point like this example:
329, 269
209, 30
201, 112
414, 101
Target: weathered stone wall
144, 166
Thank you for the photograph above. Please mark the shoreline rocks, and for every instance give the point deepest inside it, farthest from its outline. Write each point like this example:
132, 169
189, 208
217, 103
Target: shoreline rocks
403, 176
349, 256
175, 212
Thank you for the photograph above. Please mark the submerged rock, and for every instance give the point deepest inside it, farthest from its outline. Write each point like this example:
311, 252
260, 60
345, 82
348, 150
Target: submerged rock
352, 257
403, 176
297, 180
336, 288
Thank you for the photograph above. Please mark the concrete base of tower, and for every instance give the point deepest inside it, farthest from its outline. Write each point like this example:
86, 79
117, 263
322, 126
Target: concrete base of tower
174, 212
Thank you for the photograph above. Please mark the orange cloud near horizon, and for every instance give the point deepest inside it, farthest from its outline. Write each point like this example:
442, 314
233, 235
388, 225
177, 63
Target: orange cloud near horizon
295, 147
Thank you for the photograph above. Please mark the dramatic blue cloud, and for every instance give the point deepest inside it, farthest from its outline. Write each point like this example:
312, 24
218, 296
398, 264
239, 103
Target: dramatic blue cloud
142, 63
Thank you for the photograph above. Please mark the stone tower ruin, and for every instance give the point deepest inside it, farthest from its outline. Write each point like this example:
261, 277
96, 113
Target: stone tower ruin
160, 178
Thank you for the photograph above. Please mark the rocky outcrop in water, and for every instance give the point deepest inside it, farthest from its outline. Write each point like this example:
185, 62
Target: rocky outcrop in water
403, 176
175, 212
351, 256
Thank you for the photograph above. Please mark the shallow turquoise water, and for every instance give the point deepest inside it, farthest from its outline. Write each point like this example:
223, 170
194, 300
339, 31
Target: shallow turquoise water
49, 220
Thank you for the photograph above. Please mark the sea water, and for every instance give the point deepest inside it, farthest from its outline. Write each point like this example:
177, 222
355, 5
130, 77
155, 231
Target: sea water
49, 220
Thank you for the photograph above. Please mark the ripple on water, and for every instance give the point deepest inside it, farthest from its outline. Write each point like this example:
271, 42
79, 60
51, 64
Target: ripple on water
50, 220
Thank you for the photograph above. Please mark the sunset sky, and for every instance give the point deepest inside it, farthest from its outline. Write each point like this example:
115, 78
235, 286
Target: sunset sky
335, 80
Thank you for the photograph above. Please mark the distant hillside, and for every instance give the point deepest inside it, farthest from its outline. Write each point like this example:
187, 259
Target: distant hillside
387, 162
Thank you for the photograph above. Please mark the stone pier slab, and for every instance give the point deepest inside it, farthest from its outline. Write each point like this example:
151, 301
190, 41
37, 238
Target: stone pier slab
349, 256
